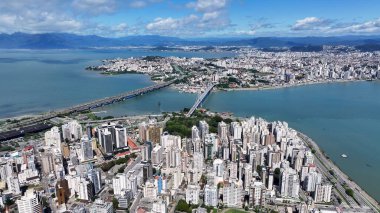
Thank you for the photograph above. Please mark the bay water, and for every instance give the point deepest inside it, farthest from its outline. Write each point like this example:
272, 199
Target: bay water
343, 118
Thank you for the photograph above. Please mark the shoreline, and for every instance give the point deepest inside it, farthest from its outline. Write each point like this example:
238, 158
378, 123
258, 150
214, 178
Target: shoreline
352, 184
262, 88
290, 86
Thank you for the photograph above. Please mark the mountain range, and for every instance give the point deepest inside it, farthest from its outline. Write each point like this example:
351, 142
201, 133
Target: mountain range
72, 41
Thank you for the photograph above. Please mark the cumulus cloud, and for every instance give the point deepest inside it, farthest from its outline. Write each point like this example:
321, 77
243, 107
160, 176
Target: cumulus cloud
34, 16
208, 5
367, 27
310, 23
209, 15
172, 25
329, 27
94, 6
142, 3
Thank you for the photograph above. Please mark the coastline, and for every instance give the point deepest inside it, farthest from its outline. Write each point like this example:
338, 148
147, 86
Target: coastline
289, 86
374, 204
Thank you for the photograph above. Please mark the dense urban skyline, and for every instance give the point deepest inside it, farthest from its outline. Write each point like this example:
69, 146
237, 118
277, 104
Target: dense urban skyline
189, 18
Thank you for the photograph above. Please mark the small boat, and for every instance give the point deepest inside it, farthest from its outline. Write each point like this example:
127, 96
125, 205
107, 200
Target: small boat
344, 156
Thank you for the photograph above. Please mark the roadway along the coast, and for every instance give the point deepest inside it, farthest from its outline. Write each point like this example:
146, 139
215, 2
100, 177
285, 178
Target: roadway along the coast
367, 203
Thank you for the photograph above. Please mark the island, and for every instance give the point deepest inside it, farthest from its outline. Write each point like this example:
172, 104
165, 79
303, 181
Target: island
252, 68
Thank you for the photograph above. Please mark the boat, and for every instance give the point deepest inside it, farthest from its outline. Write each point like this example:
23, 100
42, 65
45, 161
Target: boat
344, 156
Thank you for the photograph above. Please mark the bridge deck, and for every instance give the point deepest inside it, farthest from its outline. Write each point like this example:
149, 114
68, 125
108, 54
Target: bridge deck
94, 104
200, 99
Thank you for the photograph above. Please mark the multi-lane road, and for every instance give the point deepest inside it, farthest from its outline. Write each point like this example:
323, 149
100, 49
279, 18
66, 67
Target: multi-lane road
361, 201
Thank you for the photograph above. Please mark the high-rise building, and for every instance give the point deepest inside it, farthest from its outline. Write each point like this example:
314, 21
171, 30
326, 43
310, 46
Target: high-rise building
119, 183
236, 130
311, 180
222, 131
157, 153
154, 133
309, 158
204, 129
289, 183
211, 145
105, 140
258, 194
150, 190
53, 137
13, 185
29, 203
145, 155
86, 190
142, 131
168, 140
192, 194
232, 195
94, 175
211, 195
151, 131
121, 137
270, 181
86, 149
72, 131
173, 157
322, 193
62, 191
195, 134
47, 160
218, 166
147, 171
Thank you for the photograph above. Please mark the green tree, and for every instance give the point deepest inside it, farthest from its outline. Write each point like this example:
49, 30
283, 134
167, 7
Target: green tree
115, 203
350, 192
182, 206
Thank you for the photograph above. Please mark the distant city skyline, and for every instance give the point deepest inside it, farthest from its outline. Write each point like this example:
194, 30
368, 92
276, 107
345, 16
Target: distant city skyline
192, 18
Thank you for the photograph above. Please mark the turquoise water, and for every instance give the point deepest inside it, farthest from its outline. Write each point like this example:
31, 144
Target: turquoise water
341, 117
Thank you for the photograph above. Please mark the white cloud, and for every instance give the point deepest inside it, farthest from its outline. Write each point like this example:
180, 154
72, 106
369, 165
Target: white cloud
138, 4
310, 23
172, 25
142, 3
368, 27
35, 16
327, 27
94, 7
210, 15
208, 5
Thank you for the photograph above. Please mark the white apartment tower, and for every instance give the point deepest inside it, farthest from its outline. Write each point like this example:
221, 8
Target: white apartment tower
211, 195
289, 183
192, 194
121, 137
53, 137
72, 131
322, 193
29, 203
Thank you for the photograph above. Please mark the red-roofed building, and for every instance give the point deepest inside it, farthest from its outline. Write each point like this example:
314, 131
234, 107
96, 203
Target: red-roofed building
28, 148
132, 145
122, 154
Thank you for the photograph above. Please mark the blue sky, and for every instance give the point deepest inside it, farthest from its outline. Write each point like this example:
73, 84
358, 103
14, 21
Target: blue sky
192, 18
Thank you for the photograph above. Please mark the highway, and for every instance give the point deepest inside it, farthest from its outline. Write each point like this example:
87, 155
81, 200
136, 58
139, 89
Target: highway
361, 201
